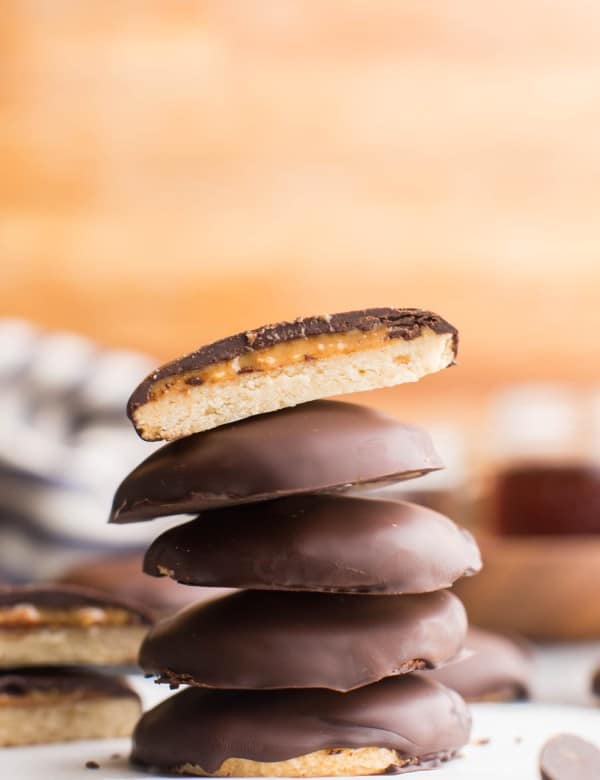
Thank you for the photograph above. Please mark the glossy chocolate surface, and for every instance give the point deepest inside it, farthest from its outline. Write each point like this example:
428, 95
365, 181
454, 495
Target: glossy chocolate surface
273, 639
318, 542
416, 717
318, 446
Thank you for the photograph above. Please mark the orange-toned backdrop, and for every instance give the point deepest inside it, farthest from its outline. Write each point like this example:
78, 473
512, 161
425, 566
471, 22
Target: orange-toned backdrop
170, 172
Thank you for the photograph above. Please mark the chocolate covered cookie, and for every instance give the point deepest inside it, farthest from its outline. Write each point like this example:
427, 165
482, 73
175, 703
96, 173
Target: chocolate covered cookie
319, 543
60, 625
323, 445
397, 725
498, 669
274, 639
569, 757
278, 366
44, 705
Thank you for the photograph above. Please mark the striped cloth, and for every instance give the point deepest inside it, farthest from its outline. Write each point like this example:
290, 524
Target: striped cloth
65, 444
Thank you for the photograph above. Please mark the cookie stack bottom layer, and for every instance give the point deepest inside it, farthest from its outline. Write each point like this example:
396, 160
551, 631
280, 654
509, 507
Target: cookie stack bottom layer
398, 724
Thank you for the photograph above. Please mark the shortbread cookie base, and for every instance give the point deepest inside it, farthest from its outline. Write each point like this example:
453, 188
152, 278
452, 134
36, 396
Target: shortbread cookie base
62, 646
65, 718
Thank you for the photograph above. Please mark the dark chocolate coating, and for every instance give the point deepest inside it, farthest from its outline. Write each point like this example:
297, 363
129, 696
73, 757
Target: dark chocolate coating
568, 757
498, 667
404, 324
316, 446
273, 639
69, 597
21, 682
318, 542
416, 717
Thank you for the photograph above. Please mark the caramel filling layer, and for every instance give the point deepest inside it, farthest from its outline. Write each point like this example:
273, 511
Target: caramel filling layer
29, 616
286, 353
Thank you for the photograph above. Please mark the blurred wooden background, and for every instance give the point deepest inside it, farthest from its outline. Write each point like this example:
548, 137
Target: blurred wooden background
171, 172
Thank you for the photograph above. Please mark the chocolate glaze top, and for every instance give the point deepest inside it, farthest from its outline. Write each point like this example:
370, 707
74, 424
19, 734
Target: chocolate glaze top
316, 446
498, 665
68, 597
404, 324
318, 542
273, 639
416, 717
21, 682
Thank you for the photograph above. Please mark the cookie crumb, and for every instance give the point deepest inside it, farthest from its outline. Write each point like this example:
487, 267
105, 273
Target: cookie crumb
115, 756
92, 765
481, 741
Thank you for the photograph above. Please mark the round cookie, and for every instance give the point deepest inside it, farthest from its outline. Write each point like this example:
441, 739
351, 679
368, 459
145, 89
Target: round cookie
398, 724
61, 625
499, 669
569, 757
318, 543
278, 366
43, 705
274, 639
122, 576
319, 446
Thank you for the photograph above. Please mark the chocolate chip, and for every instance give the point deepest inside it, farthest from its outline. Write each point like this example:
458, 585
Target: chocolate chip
92, 765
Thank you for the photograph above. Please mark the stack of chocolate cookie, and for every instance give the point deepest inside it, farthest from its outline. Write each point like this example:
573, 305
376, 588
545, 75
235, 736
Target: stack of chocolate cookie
306, 671
51, 639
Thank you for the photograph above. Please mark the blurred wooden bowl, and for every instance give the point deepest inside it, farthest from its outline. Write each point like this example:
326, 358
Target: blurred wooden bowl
544, 587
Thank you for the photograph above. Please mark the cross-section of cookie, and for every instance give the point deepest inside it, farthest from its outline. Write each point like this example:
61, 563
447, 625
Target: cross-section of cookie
495, 668
59, 625
290, 363
274, 639
329, 543
42, 705
397, 725
318, 446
